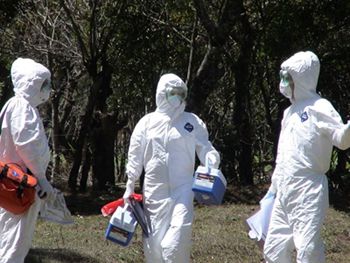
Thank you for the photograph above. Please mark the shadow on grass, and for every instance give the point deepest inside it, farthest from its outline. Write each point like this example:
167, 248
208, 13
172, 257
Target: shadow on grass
339, 198
56, 255
90, 203
247, 195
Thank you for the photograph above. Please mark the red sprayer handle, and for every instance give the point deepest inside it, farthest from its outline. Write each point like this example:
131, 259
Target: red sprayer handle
110, 208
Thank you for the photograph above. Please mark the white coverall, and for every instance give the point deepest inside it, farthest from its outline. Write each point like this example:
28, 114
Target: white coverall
310, 128
165, 143
23, 141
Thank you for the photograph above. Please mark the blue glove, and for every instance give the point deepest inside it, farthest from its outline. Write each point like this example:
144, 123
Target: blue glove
267, 196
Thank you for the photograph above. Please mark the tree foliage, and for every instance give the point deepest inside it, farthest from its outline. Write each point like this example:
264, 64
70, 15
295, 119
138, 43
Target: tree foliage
107, 56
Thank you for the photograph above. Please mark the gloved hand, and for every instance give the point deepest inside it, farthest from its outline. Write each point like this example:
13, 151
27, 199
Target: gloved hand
213, 160
46, 192
129, 189
267, 196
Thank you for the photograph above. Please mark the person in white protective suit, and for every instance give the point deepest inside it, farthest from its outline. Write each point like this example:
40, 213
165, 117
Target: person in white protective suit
310, 129
23, 141
165, 143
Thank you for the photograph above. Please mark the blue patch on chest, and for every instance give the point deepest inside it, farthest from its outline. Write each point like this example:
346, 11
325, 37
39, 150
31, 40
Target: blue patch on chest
189, 127
304, 117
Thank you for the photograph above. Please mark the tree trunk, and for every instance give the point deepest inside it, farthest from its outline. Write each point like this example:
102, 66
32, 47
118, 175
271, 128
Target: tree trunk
207, 76
55, 141
233, 23
242, 113
85, 168
85, 127
103, 152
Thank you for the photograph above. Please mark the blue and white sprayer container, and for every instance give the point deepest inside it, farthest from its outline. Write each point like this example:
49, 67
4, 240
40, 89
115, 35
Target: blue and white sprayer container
122, 225
209, 185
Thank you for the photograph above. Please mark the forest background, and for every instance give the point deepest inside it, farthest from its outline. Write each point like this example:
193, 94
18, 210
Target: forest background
106, 58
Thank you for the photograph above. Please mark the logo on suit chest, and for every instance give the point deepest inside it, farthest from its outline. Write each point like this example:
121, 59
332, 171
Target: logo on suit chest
188, 127
304, 117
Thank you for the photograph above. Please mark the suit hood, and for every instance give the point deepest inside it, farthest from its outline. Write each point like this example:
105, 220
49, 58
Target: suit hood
304, 67
163, 106
28, 77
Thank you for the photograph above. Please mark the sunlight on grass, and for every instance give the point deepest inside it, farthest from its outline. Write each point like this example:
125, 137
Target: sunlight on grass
218, 237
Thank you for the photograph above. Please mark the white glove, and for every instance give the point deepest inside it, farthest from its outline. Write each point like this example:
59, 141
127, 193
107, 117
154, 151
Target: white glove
273, 187
213, 160
46, 192
129, 189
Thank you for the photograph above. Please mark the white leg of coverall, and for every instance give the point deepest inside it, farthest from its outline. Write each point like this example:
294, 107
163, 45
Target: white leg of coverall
171, 242
279, 243
16, 233
157, 213
176, 244
301, 228
308, 224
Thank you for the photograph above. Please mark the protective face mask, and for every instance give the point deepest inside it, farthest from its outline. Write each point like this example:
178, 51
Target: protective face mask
286, 90
176, 95
45, 91
286, 84
44, 96
175, 101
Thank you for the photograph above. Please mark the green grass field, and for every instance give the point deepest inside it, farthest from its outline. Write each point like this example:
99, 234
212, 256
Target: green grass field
218, 233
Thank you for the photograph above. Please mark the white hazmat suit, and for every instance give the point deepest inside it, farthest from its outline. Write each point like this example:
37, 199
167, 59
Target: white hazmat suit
165, 144
310, 129
23, 141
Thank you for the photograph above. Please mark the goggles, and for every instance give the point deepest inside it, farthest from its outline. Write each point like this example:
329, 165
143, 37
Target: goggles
173, 92
286, 78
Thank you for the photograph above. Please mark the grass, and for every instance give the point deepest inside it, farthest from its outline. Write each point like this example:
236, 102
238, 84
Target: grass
218, 232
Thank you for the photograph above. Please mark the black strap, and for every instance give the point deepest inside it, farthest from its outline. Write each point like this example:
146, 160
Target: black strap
3, 173
21, 186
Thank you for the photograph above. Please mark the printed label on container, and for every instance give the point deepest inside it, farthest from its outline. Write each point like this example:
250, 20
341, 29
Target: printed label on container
204, 181
119, 234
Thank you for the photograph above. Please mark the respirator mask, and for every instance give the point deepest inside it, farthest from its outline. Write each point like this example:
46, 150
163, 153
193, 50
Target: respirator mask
286, 84
176, 95
45, 91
